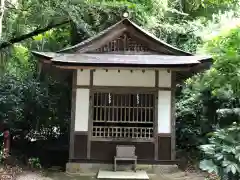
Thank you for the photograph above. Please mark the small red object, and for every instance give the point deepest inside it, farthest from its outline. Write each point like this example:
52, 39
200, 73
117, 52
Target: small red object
6, 143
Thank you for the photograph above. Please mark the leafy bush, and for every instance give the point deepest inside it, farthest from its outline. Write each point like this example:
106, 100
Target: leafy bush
210, 100
196, 115
222, 154
32, 108
34, 163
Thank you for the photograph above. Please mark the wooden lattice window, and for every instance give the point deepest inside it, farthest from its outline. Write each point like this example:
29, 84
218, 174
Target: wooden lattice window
123, 115
123, 43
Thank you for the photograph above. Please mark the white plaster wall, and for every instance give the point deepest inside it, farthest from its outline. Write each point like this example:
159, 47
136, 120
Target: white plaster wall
164, 78
164, 111
83, 77
82, 110
124, 78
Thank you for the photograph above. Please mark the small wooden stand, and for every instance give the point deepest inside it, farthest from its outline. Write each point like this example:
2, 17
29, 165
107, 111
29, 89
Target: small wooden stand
125, 153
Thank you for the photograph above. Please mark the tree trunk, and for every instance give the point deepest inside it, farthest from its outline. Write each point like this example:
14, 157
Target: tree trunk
31, 34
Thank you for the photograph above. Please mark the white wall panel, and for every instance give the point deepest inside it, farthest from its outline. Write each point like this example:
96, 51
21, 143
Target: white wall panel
164, 111
164, 78
124, 78
82, 110
83, 77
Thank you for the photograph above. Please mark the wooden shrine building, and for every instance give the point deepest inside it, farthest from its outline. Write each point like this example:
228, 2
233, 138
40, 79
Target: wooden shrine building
123, 92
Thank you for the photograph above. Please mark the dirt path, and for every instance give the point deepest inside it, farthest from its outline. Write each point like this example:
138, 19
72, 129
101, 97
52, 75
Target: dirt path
32, 176
64, 176
50, 176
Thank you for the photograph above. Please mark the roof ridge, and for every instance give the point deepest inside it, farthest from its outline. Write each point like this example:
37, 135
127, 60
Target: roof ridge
91, 38
152, 36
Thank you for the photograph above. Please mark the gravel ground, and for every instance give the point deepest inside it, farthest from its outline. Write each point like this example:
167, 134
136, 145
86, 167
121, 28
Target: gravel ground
32, 176
50, 176
63, 176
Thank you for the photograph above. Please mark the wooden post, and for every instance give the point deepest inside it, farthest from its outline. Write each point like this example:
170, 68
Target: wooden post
155, 130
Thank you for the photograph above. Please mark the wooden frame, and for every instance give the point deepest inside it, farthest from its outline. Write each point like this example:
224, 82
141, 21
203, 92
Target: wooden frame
125, 43
151, 44
145, 133
64, 65
132, 88
123, 140
156, 135
73, 114
105, 39
115, 67
125, 153
156, 117
124, 89
85, 133
90, 117
173, 119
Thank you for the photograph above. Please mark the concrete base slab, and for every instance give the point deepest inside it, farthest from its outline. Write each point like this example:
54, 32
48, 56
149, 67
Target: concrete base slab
86, 168
141, 175
154, 172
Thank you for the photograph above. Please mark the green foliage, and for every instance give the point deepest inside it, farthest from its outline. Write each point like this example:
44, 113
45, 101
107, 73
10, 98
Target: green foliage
224, 74
211, 99
223, 152
33, 108
1, 154
165, 19
200, 112
196, 114
34, 163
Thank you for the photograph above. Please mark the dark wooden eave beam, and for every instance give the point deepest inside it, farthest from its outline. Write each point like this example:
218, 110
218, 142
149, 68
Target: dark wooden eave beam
125, 68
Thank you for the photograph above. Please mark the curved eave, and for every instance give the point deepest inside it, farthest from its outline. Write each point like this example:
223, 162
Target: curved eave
45, 55
76, 65
111, 60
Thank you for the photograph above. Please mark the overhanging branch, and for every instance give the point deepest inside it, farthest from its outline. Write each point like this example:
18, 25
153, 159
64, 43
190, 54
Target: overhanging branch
31, 34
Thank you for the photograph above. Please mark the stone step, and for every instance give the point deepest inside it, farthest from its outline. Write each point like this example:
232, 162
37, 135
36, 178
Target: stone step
118, 175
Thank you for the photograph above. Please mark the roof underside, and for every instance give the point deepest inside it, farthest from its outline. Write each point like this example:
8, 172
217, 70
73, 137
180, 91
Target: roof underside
123, 44
119, 59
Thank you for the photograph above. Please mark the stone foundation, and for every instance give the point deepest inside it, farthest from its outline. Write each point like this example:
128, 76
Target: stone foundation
93, 168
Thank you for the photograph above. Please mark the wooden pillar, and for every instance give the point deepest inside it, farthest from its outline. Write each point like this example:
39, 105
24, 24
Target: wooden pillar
90, 116
173, 118
73, 114
156, 116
